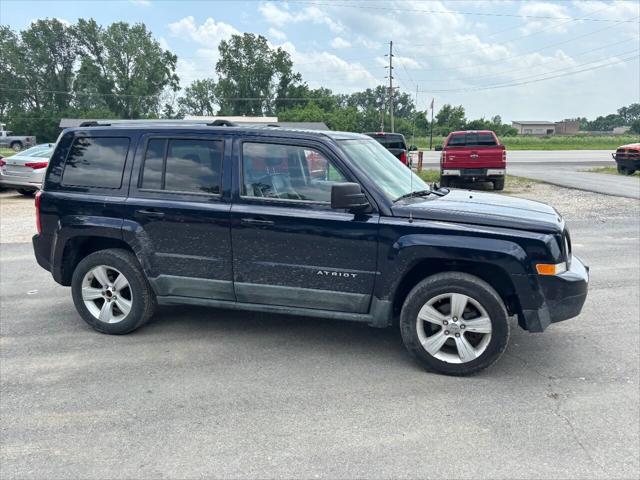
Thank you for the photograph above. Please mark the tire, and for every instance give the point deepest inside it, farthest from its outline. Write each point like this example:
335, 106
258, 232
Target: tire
137, 295
445, 182
16, 146
622, 170
26, 192
486, 347
498, 184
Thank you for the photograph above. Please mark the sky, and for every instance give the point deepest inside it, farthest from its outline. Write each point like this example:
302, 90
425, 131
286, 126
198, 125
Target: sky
522, 60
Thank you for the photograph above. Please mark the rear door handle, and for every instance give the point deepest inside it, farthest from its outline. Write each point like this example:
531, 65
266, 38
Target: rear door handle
153, 213
256, 221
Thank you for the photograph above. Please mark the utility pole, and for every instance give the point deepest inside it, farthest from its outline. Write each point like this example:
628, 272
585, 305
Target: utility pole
431, 134
391, 83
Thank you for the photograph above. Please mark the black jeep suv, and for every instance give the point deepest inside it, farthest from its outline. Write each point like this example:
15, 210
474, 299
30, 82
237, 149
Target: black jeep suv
317, 224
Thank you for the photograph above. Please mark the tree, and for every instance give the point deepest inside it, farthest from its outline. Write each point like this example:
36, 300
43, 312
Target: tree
124, 68
635, 126
199, 98
450, 118
254, 79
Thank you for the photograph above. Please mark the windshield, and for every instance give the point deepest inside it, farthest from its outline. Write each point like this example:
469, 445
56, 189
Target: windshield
394, 178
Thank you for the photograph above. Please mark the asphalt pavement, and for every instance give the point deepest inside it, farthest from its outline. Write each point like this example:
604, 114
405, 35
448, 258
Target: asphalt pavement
212, 393
565, 168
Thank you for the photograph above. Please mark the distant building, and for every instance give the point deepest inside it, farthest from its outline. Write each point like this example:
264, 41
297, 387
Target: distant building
534, 127
621, 130
568, 127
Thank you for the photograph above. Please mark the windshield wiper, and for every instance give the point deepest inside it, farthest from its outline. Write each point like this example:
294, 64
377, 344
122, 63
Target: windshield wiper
417, 193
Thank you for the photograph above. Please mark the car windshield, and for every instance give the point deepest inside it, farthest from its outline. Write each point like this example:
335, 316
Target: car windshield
383, 168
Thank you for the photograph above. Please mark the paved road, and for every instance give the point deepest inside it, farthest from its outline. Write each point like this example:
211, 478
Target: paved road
210, 393
566, 168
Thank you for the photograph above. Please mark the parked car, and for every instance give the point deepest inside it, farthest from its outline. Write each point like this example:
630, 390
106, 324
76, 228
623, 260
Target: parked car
627, 158
136, 215
24, 171
470, 156
395, 143
16, 142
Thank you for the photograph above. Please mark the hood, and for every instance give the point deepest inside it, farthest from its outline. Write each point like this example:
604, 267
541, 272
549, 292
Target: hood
477, 208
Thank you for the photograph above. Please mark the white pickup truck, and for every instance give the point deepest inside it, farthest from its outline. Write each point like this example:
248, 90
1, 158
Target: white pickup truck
15, 142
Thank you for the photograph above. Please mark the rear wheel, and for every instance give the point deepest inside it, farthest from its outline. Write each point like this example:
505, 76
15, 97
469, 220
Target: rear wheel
498, 184
111, 292
16, 146
454, 323
26, 192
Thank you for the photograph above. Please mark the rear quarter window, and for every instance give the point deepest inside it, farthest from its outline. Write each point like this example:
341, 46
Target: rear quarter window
96, 162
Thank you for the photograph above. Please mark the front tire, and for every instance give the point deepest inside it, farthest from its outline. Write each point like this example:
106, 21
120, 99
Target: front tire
111, 292
454, 323
622, 170
16, 146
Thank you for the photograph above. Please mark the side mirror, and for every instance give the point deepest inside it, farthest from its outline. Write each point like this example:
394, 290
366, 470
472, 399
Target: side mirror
438, 148
348, 196
413, 148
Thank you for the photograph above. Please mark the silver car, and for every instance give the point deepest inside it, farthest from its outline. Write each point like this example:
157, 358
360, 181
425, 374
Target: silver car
24, 171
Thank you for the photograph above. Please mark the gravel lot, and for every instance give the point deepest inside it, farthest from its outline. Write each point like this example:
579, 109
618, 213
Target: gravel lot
213, 393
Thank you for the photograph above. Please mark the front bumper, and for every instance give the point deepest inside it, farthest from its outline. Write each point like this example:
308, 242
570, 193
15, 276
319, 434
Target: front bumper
564, 296
626, 160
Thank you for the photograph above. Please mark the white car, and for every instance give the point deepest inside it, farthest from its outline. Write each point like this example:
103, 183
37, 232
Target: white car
24, 171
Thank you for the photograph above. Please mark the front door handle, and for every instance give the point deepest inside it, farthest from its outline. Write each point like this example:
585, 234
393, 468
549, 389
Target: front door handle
153, 213
256, 221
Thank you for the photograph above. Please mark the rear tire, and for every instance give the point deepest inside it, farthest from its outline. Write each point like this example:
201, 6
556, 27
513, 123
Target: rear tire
16, 146
98, 295
445, 182
438, 339
26, 192
498, 184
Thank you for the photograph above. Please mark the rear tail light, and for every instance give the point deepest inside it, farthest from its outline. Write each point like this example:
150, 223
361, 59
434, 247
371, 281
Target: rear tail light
2, 163
403, 157
504, 155
443, 158
37, 202
36, 165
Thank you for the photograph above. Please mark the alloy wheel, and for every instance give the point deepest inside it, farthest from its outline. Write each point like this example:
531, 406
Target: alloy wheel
454, 328
107, 294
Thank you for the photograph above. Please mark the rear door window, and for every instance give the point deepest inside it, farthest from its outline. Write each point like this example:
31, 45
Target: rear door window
183, 165
96, 162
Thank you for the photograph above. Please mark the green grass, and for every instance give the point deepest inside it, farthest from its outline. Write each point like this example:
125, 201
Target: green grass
610, 171
6, 152
577, 142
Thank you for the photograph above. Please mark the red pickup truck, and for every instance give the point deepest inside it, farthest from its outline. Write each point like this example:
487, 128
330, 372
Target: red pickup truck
474, 155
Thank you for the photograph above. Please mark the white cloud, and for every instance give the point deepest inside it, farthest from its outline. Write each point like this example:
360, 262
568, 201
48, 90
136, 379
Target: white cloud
340, 42
543, 9
277, 34
209, 33
324, 69
280, 17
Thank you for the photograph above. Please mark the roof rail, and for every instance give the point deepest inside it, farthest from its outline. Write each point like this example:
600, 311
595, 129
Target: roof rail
222, 123
93, 123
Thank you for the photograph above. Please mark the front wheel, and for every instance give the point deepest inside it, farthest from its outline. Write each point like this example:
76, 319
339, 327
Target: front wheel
454, 323
622, 170
16, 146
111, 292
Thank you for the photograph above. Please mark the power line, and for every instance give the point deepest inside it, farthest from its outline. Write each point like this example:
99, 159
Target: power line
450, 12
529, 67
506, 85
